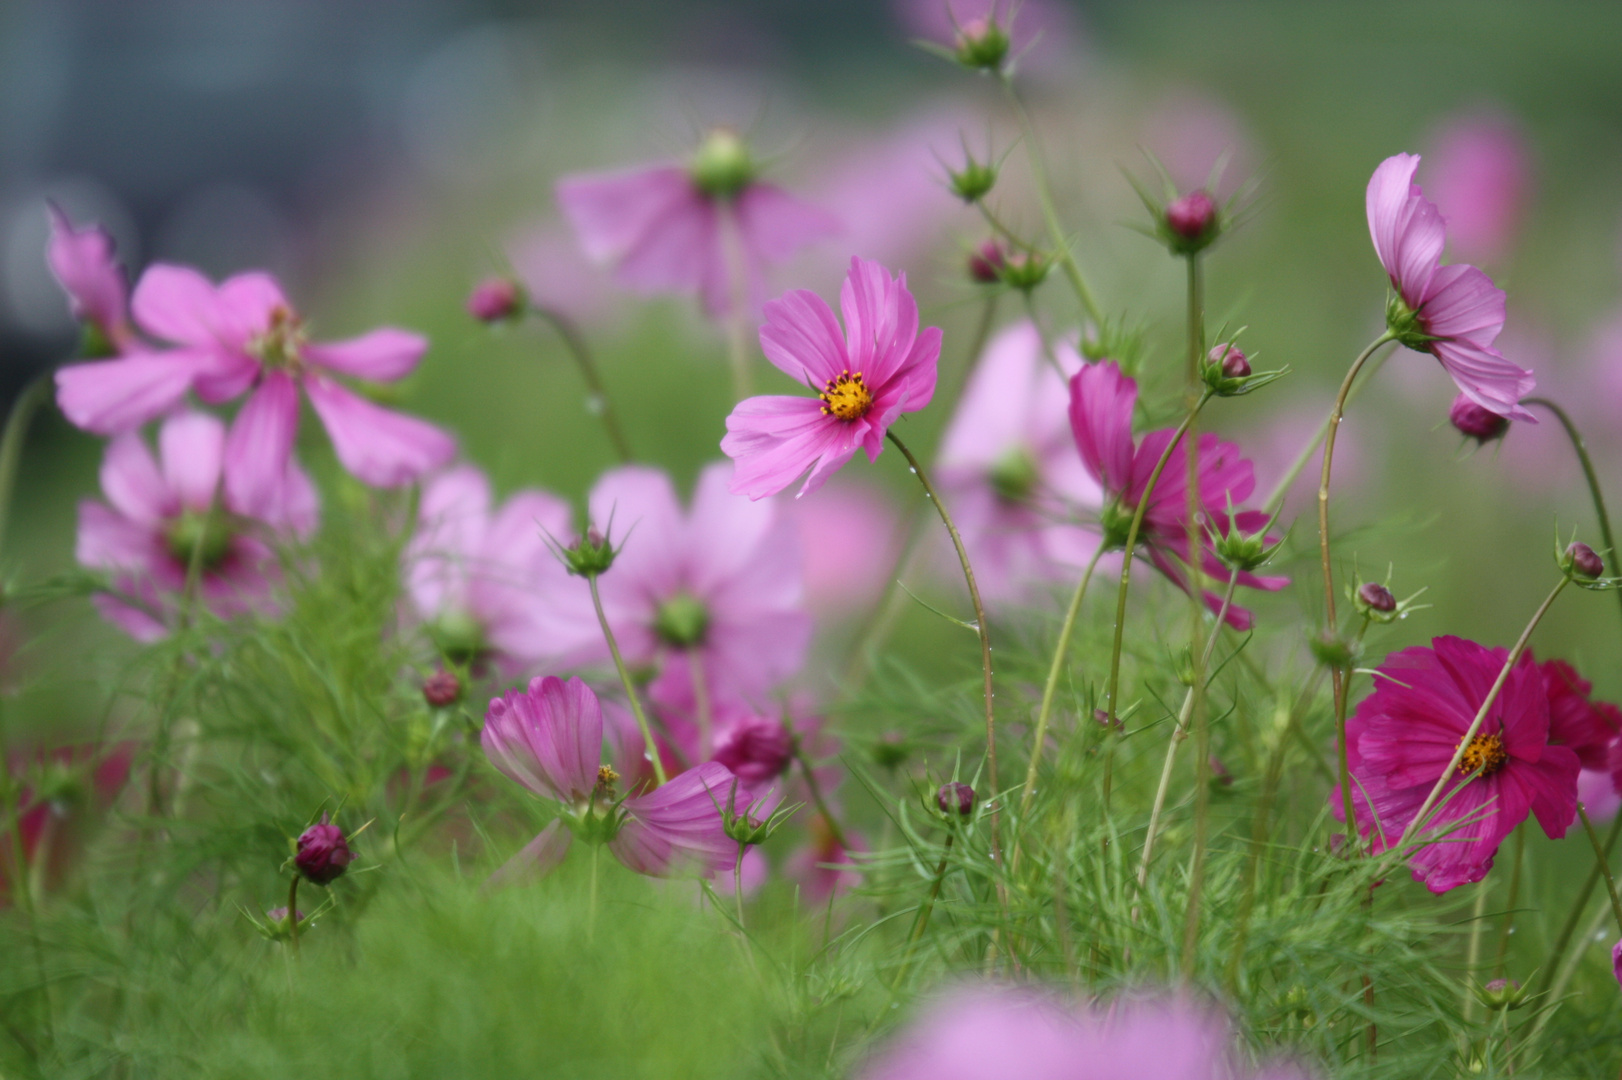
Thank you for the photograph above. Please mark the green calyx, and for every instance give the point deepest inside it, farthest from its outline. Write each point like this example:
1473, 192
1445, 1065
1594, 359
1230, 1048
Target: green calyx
206, 535
982, 45
1403, 322
722, 166
459, 637
1116, 521
974, 182
682, 621
1013, 476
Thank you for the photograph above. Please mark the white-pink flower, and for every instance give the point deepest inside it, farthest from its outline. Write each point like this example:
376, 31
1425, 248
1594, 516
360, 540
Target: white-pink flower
160, 512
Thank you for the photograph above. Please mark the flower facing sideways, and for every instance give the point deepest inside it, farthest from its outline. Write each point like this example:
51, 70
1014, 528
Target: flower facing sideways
1402, 739
878, 367
549, 739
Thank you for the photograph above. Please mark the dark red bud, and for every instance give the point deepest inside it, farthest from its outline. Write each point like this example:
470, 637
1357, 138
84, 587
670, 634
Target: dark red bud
1191, 216
955, 798
1377, 597
985, 262
1585, 560
442, 688
323, 853
1471, 419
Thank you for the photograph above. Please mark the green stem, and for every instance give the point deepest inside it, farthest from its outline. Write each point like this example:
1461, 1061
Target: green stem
982, 628
737, 316
598, 403
1419, 822
16, 435
921, 921
1563, 941
591, 906
1198, 653
1275, 498
737, 885
625, 681
1509, 906
819, 802
1581, 450
1039, 174
1336, 675
1126, 584
1472, 955
1061, 653
1603, 863
292, 913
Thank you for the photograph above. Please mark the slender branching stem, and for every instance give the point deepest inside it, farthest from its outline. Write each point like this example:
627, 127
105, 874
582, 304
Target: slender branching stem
819, 802
591, 903
627, 682
737, 318
292, 913
1417, 826
1114, 685
1472, 954
598, 402
1603, 863
702, 708
1509, 904
982, 628
921, 921
1061, 655
1563, 940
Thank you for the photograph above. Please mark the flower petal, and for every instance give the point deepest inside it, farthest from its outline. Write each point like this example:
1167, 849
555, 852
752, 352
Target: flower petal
535, 859
110, 396
676, 829
1407, 229
1101, 404
133, 483
380, 447
383, 355
802, 339
192, 447
774, 440
259, 447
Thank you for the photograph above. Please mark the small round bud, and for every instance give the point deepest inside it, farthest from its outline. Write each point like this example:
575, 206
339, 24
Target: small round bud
982, 44
722, 167
1235, 365
589, 556
1192, 216
1585, 561
1376, 597
495, 299
986, 263
955, 799
1473, 421
974, 181
442, 688
1024, 270
1101, 717
323, 853
1502, 994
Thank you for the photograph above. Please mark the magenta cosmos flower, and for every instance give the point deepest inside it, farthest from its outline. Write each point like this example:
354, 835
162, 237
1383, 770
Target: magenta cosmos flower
1452, 312
1101, 404
665, 228
879, 367
485, 582
549, 739
1403, 736
242, 335
83, 263
991, 1032
1010, 464
718, 586
158, 513
1588, 727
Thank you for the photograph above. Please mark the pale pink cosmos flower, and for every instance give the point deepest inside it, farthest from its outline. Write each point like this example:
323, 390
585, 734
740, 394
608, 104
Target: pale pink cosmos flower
879, 367
1481, 175
1010, 465
485, 581
548, 738
242, 335
158, 512
987, 1031
850, 536
718, 585
668, 228
1452, 312
1401, 741
83, 263
1101, 405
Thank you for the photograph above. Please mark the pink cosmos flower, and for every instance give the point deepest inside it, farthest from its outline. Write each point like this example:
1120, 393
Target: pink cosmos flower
548, 738
824, 867
879, 367
1009, 462
717, 586
990, 1032
665, 228
83, 263
242, 335
1481, 175
1453, 312
485, 579
69, 786
1616, 961
1403, 736
1101, 404
1588, 727
159, 513
851, 538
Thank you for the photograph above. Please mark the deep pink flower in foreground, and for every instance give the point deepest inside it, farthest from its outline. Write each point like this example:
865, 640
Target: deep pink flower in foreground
158, 512
549, 739
83, 263
1403, 736
666, 228
718, 586
877, 368
1009, 464
985, 1031
243, 335
1452, 312
485, 580
1101, 404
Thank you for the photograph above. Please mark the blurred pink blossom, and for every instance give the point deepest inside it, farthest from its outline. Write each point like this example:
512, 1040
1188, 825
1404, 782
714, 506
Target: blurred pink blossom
851, 537
1189, 131
556, 275
1480, 174
83, 263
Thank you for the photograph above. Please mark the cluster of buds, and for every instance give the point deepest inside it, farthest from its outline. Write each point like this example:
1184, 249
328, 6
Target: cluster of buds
1374, 601
1227, 372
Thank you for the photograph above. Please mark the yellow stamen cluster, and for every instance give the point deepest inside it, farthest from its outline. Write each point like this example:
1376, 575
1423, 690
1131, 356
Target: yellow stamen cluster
282, 342
1486, 753
606, 776
846, 397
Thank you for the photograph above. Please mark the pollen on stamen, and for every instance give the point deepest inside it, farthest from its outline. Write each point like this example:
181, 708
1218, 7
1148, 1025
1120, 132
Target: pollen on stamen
1485, 753
846, 397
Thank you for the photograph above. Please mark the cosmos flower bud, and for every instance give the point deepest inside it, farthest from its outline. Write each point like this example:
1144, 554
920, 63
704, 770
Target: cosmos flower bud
982, 44
1376, 597
955, 799
1502, 994
1220, 776
1024, 270
589, 556
1477, 423
755, 748
722, 166
986, 263
442, 688
1192, 216
1232, 360
1583, 561
496, 299
323, 853
974, 181
276, 926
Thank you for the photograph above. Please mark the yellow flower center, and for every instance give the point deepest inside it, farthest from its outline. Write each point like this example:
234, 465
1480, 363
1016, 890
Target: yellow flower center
847, 397
282, 342
1485, 753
